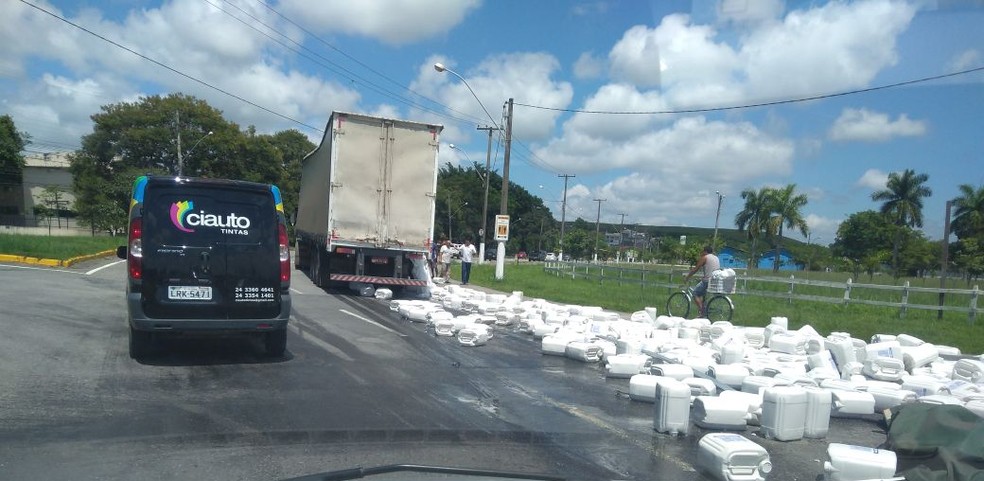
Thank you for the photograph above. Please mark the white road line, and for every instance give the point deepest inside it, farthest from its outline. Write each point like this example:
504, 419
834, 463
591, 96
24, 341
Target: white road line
295, 290
111, 264
48, 269
370, 321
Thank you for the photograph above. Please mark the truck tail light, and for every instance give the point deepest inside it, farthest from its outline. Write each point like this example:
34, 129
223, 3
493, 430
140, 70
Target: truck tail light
284, 254
134, 258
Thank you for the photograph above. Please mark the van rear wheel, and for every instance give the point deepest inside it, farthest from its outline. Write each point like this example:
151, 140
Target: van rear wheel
275, 342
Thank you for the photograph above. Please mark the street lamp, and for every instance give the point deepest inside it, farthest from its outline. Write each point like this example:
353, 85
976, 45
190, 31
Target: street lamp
181, 158
500, 257
716, 218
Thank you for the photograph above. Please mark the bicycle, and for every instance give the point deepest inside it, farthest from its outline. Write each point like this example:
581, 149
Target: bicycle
717, 305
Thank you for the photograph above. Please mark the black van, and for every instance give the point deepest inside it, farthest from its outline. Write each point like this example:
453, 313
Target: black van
206, 255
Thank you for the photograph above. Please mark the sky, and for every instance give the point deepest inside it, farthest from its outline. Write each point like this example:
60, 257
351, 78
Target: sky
654, 106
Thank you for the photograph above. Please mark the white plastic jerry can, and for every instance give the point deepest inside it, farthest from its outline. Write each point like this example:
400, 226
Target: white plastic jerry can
627, 365
671, 410
851, 403
730, 375
784, 413
854, 463
732, 457
700, 387
884, 368
887, 398
712, 412
675, 371
970, 370
584, 351
919, 355
752, 384
924, 385
817, 413
642, 387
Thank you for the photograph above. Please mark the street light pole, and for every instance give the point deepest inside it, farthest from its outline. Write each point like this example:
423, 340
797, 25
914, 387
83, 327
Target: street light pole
504, 207
717, 217
563, 214
597, 228
485, 205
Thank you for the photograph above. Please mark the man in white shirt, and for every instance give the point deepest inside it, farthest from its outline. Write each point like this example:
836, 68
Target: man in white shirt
444, 258
467, 254
707, 263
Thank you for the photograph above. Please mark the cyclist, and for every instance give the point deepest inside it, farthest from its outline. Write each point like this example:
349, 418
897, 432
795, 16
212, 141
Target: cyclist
707, 264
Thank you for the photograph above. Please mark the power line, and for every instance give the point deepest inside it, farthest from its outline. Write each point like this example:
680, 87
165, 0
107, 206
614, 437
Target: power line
759, 104
170, 68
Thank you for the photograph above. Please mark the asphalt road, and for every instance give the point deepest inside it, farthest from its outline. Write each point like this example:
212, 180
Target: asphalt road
357, 387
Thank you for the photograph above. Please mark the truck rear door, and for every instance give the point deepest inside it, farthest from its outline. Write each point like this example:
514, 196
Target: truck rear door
210, 252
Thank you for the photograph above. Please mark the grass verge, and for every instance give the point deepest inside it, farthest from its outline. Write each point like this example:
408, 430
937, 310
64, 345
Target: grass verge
954, 329
56, 247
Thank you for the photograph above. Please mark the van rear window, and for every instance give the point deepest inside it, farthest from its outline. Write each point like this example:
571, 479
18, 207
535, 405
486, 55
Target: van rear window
188, 215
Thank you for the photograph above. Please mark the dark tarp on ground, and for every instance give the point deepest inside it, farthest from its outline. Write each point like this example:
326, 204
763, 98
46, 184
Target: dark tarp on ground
937, 442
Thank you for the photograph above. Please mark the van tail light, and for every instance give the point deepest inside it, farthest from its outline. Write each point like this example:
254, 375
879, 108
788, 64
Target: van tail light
134, 258
284, 255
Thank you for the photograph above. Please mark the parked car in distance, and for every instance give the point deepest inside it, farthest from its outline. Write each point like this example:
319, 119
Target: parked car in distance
521, 255
550, 257
536, 256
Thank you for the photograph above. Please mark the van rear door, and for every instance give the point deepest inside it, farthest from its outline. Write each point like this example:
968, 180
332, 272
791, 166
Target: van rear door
210, 251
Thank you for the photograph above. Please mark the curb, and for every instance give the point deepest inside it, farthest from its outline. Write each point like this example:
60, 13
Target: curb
53, 262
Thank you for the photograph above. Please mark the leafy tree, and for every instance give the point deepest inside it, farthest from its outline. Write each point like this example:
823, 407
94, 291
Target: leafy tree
902, 202
785, 207
968, 214
968, 256
12, 143
293, 146
754, 217
863, 236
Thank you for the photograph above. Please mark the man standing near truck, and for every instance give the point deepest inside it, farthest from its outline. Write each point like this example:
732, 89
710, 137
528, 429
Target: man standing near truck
468, 252
444, 258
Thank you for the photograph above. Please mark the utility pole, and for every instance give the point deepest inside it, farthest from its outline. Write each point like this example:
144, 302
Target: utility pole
716, 218
621, 234
177, 124
563, 214
597, 228
500, 258
485, 205
946, 257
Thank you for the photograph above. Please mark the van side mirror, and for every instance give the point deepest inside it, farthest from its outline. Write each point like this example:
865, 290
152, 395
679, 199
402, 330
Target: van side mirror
121, 252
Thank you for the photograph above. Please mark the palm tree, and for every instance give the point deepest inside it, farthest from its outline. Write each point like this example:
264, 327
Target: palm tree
903, 203
785, 207
968, 215
754, 218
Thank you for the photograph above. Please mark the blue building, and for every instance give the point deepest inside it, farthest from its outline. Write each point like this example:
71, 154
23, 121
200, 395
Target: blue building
732, 258
786, 261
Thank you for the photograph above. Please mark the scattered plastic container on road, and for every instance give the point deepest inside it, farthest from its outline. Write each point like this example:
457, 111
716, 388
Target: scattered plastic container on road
732, 457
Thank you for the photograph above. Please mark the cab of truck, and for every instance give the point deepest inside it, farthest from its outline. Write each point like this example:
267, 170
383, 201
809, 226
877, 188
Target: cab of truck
206, 256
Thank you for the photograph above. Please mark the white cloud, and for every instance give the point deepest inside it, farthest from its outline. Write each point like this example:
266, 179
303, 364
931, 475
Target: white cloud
588, 66
822, 229
618, 97
868, 126
749, 12
967, 59
526, 76
391, 21
873, 179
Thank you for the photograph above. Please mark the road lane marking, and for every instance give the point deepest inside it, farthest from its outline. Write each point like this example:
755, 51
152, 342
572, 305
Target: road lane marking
370, 321
111, 264
48, 269
295, 290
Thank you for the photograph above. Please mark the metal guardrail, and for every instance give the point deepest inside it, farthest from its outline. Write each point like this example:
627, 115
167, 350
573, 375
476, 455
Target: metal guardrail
603, 273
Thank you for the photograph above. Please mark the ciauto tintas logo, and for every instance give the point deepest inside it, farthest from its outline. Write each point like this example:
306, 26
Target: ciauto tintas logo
179, 211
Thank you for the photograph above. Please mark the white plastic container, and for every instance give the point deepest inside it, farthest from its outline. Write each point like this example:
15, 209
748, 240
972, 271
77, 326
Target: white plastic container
555, 345
838, 385
883, 338
970, 370
730, 375
642, 387
821, 373
965, 390
854, 463
788, 343
712, 412
675, 371
754, 336
948, 350
851, 403
753, 402
784, 413
940, 399
780, 321
907, 340
584, 351
444, 327
884, 368
841, 348
884, 349
627, 365
671, 410
818, 403
752, 384
732, 457
771, 330
821, 359
851, 369
887, 398
700, 387
924, 385
474, 335
976, 406
919, 355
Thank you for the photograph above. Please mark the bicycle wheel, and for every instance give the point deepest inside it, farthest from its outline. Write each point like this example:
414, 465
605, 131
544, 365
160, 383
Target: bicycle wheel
720, 308
678, 304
